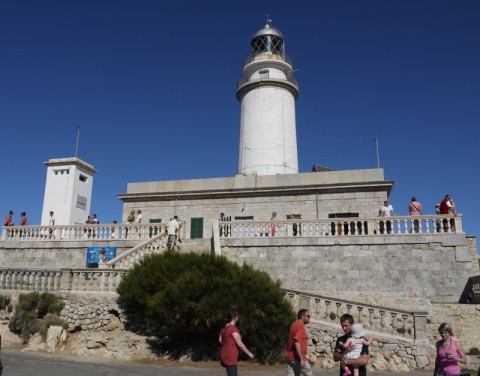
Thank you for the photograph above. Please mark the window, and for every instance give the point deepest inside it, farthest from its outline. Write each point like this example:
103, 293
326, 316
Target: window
196, 228
83, 178
263, 73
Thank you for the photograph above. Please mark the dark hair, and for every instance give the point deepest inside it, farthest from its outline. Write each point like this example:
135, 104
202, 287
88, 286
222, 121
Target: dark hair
414, 198
347, 317
230, 316
102, 251
301, 313
23, 213
10, 212
444, 327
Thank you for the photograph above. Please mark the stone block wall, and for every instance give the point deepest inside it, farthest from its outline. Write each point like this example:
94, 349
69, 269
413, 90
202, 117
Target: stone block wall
434, 267
385, 353
53, 254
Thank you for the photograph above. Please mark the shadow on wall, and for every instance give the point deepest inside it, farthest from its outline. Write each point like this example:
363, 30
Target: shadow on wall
471, 292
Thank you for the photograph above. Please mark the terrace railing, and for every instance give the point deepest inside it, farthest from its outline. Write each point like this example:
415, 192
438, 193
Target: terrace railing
383, 226
399, 323
61, 280
138, 231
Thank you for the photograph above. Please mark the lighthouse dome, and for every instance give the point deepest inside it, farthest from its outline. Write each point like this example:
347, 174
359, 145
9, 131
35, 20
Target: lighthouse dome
268, 39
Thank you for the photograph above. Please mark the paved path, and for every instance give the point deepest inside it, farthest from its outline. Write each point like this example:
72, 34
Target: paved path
18, 363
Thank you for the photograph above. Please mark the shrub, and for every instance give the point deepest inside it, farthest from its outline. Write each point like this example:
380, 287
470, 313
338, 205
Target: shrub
30, 308
4, 301
51, 319
190, 294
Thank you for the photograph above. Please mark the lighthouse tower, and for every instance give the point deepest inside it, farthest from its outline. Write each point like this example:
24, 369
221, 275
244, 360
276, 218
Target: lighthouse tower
68, 191
267, 92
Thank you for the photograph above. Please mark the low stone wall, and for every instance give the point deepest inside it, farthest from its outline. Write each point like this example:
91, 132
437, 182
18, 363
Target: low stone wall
385, 353
53, 254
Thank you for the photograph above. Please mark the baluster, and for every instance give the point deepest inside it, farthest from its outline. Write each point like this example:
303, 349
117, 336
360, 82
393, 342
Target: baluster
404, 317
349, 307
33, 281
394, 321
360, 316
317, 306
370, 319
46, 278
9, 280
291, 295
338, 304
327, 309
382, 320
2, 279
84, 281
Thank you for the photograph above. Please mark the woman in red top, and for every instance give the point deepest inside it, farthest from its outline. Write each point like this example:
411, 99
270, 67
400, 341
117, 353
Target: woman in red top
231, 342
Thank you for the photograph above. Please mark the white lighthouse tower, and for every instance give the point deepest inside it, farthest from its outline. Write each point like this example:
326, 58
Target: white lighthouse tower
267, 92
68, 191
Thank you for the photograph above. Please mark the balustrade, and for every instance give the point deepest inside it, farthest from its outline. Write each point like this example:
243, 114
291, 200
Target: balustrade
395, 322
129, 258
397, 225
141, 231
61, 280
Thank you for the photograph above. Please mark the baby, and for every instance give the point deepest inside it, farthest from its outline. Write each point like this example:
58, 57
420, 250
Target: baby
358, 341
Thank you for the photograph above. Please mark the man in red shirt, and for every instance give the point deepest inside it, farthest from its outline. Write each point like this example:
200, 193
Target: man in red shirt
297, 363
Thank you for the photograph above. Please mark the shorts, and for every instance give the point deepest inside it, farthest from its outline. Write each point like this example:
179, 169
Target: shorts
172, 238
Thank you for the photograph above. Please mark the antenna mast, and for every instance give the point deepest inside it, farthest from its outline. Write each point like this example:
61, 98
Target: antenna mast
378, 154
78, 138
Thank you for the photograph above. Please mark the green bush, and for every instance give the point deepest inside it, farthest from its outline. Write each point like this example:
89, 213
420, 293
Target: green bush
190, 294
31, 308
51, 319
4, 301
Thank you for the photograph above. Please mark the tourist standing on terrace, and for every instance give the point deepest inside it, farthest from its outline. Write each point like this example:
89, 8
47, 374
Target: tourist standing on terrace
297, 363
23, 219
386, 211
9, 219
231, 342
346, 321
448, 207
130, 220
449, 353
415, 208
51, 222
273, 225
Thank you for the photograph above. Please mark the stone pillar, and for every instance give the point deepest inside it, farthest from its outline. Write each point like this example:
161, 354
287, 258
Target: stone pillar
420, 326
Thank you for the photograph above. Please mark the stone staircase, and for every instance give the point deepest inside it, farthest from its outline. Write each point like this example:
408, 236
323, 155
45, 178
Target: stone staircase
157, 244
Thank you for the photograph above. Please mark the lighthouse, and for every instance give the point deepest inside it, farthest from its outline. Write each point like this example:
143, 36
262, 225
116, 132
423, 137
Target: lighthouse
267, 92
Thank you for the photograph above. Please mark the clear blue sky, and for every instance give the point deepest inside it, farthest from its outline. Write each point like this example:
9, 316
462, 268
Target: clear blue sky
152, 86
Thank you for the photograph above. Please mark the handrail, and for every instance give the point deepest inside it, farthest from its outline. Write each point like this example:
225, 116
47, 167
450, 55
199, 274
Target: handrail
61, 280
392, 321
108, 231
127, 259
373, 226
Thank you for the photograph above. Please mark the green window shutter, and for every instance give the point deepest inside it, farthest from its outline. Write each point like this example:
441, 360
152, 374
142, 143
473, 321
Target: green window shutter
196, 228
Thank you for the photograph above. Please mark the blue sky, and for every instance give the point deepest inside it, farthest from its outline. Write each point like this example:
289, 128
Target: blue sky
152, 86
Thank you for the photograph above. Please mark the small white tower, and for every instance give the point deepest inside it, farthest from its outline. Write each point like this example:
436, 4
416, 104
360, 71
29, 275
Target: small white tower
267, 92
68, 191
